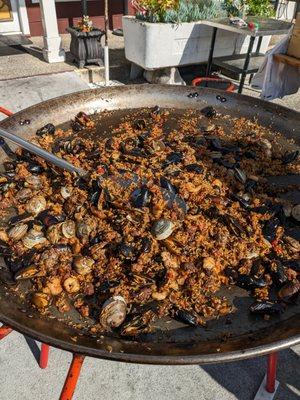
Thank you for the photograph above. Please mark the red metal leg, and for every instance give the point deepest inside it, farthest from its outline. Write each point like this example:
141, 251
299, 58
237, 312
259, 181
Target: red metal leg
44, 356
72, 377
5, 111
271, 372
4, 331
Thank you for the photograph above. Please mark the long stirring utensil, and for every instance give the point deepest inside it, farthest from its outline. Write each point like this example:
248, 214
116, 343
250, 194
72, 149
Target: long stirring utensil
59, 162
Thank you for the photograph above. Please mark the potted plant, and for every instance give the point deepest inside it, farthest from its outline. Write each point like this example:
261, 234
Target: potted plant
169, 33
85, 44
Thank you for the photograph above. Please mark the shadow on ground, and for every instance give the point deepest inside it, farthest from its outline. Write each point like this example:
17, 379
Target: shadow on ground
243, 378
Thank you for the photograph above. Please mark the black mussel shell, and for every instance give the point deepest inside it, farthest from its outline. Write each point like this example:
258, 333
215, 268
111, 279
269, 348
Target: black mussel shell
141, 197
232, 274
279, 276
4, 249
249, 283
293, 264
146, 244
186, 317
161, 278
48, 129
290, 291
290, 157
9, 166
16, 219
244, 203
194, 168
7, 277
223, 163
250, 154
108, 284
35, 168
47, 219
269, 229
166, 184
156, 110
234, 226
209, 112
240, 175
14, 264
139, 124
173, 158
266, 307
250, 185
126, 251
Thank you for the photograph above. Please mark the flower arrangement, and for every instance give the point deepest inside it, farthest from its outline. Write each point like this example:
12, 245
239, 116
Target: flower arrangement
154, 10
177, 11
85, 25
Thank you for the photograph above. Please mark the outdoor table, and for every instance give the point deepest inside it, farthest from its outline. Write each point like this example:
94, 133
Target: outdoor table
248, 63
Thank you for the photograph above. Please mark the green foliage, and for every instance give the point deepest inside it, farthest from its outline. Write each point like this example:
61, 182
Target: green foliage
241, 8
195, 10
261, 8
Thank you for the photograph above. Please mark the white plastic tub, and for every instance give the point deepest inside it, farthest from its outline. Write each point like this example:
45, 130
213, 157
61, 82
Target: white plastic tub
159, 45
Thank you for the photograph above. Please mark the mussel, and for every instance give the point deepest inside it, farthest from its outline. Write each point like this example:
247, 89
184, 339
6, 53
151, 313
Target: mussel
209, 112
249, 283
289, 291
48, 129
194, 168
138, 324
141, 197
290, 157
186, 317
266, 307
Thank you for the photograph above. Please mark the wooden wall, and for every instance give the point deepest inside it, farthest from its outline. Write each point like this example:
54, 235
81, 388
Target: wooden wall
69, 13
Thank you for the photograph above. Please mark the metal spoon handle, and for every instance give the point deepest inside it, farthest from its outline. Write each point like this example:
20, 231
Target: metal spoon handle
59, 162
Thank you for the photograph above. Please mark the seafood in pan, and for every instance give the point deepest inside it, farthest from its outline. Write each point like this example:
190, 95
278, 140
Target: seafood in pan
165, 218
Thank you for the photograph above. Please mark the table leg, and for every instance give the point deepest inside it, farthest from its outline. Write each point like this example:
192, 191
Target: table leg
246, 64
211, 52
4, 331
259, 44
44, 356
271, 372
72, 377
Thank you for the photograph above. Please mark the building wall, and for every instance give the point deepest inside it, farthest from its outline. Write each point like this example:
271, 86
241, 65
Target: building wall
69, 13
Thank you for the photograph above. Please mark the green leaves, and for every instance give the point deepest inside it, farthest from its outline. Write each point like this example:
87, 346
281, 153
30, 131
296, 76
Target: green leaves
197, 10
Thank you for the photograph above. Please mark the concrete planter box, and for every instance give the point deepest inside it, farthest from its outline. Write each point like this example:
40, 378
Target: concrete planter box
86, 47
154, 46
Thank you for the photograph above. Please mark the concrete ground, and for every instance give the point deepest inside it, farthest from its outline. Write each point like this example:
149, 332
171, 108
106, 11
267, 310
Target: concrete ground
20, 376
24, 58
